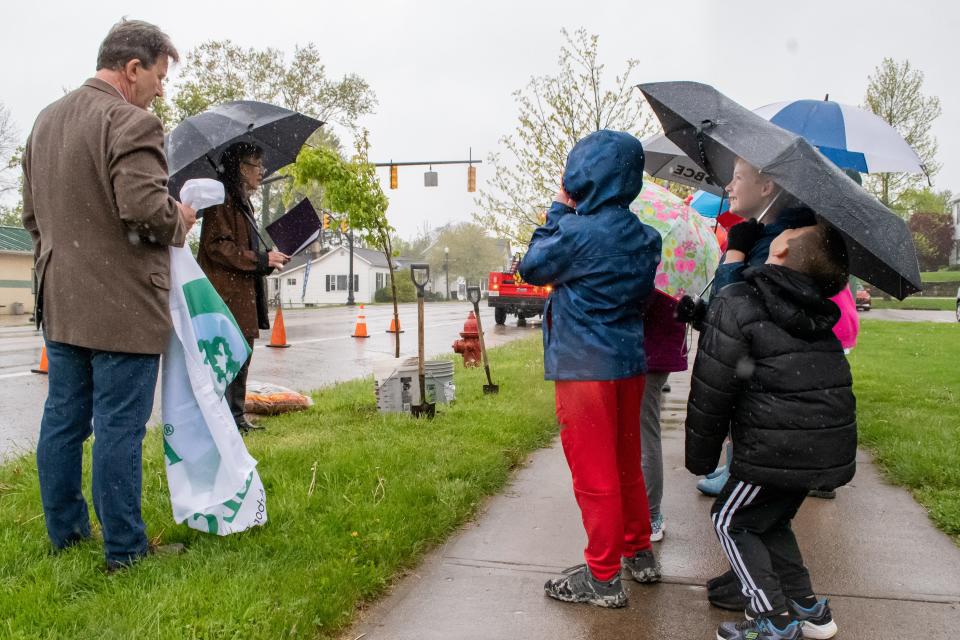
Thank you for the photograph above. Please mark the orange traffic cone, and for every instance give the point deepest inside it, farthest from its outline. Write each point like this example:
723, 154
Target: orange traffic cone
43, 362
278, 339
360, 330
394, 326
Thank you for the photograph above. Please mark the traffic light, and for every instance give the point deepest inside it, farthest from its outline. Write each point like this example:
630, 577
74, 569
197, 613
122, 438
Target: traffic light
393, 176
326, 222
344, 226
471, 178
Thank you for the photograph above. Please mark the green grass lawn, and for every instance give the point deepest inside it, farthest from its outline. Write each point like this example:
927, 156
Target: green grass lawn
916, 302
940, 276
354, 498
907, 380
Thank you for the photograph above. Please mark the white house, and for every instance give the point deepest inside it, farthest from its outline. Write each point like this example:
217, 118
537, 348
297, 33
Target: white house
327, 280
955, 214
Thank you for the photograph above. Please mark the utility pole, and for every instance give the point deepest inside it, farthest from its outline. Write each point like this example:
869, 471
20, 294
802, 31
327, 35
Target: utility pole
446, 270
350, 300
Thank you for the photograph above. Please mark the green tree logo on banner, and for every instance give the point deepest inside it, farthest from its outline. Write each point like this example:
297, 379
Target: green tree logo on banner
218, 355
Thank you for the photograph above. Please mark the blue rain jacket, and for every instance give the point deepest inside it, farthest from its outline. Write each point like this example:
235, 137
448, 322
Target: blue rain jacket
600, 260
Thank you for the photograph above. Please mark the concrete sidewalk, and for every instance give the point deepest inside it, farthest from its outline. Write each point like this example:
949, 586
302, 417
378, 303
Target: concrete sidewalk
887, 571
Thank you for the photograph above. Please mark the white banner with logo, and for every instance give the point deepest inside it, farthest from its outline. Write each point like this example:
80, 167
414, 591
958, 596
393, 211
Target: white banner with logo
213, 480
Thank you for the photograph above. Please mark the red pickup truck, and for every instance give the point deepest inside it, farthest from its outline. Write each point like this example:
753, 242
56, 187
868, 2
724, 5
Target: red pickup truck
508, 294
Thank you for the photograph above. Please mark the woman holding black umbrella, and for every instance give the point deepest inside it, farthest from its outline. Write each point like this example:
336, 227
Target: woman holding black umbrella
233, 259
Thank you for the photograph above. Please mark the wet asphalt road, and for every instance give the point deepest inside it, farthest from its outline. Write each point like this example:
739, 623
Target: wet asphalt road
322, 353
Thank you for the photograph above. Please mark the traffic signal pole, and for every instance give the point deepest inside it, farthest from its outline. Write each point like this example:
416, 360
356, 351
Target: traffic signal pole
471, 170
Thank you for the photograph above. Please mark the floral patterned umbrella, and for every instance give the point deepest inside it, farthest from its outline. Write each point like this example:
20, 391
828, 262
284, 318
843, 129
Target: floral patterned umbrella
690, 252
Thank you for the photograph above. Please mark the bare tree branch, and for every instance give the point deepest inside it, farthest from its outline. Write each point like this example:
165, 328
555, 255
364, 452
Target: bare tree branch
554, 112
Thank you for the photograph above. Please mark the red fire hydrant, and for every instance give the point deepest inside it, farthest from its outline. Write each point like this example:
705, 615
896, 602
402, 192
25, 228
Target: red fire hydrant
469, 345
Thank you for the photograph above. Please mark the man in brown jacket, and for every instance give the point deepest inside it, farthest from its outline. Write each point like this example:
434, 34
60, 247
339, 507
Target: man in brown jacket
96, 204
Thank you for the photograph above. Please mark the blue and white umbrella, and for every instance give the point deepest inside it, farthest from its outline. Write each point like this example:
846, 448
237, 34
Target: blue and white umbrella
709, 205
849, 136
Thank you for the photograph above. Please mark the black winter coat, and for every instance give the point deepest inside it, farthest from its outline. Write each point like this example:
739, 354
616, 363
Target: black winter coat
771, 372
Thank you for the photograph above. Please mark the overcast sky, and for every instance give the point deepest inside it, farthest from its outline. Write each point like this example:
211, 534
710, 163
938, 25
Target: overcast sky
444, 71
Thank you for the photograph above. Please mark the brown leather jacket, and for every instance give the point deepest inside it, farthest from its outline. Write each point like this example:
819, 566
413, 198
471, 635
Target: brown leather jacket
95, 202
234, 262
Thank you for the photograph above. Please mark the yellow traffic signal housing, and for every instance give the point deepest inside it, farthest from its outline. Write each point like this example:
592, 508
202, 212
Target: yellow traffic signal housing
344, 226
393, 176
471, 178
326, 222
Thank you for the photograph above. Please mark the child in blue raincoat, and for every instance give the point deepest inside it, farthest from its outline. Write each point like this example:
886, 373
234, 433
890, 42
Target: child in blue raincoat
600, 260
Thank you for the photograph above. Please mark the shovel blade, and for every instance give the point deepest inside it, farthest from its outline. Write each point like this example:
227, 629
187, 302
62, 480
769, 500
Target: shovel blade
491, 389
424, 410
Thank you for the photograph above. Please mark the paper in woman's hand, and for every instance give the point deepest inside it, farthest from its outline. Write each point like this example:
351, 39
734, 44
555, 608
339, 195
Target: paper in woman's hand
201, 193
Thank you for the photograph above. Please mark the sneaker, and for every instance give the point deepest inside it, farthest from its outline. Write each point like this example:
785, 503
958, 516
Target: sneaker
759, 629
721, 580
643, 567
726, 593
719, 471
665, 388
817, 620
577, 584
713, 486
657, 528
824, 495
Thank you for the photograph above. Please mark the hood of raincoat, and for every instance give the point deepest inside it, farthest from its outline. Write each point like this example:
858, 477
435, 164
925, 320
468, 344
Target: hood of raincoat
605, 168
793, 300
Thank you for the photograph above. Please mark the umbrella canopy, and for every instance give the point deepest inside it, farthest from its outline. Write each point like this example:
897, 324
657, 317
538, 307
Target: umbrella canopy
194, 147
664, 160
849, 136
714, 130
690, 252
709, 205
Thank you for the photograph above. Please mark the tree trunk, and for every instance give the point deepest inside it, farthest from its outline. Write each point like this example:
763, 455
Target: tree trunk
387, 247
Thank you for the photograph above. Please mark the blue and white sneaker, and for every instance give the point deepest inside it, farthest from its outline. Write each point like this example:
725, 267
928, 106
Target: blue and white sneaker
759, 629
817, 621
657, 528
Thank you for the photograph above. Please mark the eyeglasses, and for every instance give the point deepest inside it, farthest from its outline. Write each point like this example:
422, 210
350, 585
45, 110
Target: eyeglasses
257, 165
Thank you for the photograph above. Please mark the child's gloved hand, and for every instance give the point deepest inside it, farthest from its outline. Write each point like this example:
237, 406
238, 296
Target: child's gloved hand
744, 235
692, 310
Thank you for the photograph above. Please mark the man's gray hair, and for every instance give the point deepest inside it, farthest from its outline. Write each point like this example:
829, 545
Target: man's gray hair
134, 39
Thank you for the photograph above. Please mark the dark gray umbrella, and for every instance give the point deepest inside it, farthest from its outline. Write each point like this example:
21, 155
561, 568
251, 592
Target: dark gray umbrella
713, 130
194, 147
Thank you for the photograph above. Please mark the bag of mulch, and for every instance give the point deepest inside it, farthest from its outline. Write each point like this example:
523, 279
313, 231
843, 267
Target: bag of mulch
271, 399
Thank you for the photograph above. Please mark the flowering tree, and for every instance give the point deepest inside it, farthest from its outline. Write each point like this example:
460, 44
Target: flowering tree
350, 187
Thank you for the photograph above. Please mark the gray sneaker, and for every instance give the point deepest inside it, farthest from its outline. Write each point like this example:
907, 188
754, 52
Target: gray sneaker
643, 567
577, 584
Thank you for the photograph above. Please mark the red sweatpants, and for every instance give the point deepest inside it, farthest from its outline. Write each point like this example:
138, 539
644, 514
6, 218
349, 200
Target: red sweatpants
600, 432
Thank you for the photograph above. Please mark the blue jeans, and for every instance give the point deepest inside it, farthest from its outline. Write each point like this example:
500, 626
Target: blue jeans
109, 394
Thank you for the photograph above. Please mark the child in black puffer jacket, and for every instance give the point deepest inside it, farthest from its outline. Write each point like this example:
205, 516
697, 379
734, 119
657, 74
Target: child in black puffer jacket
770, 372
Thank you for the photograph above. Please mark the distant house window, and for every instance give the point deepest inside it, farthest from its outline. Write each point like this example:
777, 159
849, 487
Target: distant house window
341, 283
332, 282
291, 281
356, 282
380, 283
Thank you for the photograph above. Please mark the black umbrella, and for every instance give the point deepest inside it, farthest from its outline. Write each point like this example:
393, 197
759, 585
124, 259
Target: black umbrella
713, 130
194, 147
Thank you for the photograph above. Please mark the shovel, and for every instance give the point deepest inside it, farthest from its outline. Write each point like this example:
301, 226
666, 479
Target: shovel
420, 274
473, 295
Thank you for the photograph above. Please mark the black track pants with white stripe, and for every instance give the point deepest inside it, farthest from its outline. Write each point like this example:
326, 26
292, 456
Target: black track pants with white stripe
753, 525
